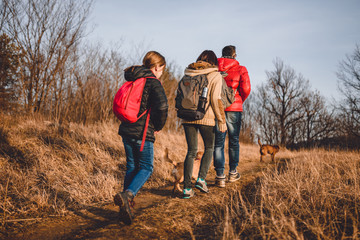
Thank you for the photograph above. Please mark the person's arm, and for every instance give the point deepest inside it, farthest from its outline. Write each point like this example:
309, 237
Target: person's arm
216, 103
159, 105
244, 84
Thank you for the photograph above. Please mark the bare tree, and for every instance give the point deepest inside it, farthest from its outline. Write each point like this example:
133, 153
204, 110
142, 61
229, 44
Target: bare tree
95, 78
3, 14
170, 82
318, 122
280, 104
49, 32
268, 124
349, 85
248, 120
10, 57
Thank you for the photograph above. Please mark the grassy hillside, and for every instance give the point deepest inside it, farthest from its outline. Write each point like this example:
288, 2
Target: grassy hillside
48, 169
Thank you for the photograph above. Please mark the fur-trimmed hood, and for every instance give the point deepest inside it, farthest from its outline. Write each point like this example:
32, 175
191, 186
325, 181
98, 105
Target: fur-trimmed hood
200, 67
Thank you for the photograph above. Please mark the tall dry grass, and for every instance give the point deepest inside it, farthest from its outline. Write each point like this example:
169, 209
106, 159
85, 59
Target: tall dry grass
46, 168
312, 195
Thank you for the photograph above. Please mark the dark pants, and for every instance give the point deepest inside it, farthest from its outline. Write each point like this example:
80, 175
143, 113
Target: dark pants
208, 135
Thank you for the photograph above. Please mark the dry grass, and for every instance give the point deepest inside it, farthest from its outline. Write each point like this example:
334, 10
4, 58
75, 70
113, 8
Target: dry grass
312, 195
50, 169
54, 168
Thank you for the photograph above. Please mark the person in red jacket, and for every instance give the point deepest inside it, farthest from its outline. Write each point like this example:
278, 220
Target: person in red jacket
237, 78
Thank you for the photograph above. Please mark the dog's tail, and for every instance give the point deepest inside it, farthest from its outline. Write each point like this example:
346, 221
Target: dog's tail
166, 157
259, 142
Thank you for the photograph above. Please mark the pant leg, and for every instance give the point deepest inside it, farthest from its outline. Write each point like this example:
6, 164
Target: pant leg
233, 121
208, 135
191, 131
143, 166
131, 168
219, 156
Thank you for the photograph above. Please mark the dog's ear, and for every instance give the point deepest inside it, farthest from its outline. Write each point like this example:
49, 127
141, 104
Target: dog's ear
166, 155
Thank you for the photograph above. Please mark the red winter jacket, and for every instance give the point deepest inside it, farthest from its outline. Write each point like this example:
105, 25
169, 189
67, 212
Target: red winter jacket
238, 79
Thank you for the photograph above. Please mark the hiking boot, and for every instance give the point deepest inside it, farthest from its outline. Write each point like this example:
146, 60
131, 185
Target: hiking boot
220, 181
123, 200
234, 176
188, 193
201, 184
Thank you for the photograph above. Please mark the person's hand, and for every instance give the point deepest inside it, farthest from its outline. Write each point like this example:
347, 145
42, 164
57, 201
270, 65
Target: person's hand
222, 127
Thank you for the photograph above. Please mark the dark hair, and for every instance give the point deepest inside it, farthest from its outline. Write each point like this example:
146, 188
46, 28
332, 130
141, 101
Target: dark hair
153, 59
208, 56
228, 51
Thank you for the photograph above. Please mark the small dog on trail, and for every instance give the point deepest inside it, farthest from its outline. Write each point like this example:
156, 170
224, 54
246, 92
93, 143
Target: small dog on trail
268, 149
178, 171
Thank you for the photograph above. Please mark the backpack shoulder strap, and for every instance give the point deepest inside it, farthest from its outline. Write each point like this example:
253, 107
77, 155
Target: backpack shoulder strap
145, 130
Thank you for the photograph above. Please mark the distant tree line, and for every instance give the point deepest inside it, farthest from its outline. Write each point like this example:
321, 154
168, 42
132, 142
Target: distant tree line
48, 68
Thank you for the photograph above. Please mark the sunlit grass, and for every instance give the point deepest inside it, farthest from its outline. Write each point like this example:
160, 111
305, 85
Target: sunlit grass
309, 194
313, 195
52, 168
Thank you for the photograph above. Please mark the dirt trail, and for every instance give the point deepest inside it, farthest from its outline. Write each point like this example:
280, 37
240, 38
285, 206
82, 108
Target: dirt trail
157, 215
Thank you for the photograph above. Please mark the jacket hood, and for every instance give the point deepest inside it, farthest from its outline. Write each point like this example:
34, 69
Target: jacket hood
226, 63
200, 67
136, 72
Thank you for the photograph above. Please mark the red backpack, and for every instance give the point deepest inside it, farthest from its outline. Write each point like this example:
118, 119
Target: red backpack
126, 105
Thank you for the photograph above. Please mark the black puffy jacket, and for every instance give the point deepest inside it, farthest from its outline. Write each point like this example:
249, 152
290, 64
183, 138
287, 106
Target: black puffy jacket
153, 97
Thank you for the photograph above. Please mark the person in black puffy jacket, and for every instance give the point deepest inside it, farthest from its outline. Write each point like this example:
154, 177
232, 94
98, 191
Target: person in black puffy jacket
139, 164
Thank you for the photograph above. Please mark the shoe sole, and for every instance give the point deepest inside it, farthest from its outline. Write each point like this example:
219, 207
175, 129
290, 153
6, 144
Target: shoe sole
188, 196
220, 183
234, 180
125, 216
201, 189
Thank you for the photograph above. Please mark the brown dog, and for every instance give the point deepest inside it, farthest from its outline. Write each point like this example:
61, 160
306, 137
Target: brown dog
268, 149
178, 171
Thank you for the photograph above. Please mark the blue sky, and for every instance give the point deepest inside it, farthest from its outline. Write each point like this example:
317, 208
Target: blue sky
310, 36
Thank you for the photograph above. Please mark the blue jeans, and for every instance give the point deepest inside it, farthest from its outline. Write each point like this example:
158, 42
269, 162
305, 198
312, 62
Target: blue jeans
208, 135
233, 123
139, 165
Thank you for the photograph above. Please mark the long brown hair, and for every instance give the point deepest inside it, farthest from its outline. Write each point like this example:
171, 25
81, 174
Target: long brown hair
208, 56
152, 59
